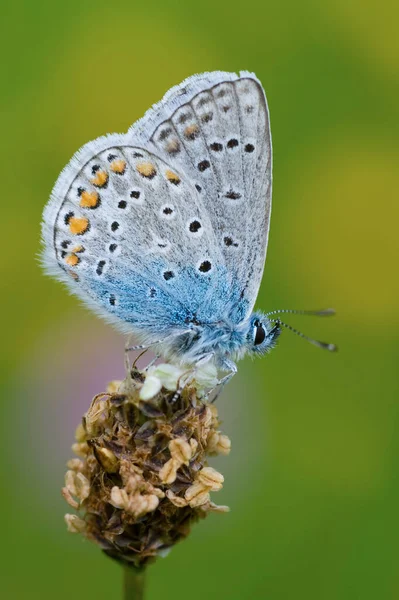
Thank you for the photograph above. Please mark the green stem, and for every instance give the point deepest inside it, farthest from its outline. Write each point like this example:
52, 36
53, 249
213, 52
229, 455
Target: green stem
133, 583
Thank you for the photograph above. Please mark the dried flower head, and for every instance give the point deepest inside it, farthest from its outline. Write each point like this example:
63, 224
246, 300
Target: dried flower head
142, 477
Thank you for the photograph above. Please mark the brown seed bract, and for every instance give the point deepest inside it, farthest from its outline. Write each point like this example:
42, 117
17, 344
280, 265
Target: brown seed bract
142, 478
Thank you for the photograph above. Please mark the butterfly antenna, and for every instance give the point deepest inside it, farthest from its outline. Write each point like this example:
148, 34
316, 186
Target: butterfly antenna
325, 312
324, 345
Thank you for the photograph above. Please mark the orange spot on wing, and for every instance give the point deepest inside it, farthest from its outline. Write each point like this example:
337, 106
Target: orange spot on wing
118, 166
72, 260
89, 199
101, 179
146, 169
172, 177
78, 249
78, 225
173, 147
191, 131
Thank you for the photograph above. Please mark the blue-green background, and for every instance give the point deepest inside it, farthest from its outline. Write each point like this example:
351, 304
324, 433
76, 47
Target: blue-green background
312, 479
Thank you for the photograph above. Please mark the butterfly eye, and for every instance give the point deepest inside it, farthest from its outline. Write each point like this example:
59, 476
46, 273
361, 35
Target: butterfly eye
259, 333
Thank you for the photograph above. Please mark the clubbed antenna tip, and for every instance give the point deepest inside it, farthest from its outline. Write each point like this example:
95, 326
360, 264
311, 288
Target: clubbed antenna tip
323, 345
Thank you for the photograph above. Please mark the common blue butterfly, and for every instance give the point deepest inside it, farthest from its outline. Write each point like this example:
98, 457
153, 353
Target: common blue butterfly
163, 230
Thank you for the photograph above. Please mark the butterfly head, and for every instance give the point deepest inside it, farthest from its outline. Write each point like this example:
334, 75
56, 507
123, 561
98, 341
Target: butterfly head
262, 334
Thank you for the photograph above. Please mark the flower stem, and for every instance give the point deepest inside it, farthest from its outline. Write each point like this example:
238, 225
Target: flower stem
134, 580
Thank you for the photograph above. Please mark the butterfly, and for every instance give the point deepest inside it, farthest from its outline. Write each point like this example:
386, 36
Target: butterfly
163, 230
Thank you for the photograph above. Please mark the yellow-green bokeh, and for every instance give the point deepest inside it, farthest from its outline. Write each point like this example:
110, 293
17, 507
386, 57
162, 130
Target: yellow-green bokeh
312, 479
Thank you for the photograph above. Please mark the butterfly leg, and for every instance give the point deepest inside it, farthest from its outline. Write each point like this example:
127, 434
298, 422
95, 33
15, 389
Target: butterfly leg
145, 347
152, 362
228, 365
205, 358
140, 346
128, 349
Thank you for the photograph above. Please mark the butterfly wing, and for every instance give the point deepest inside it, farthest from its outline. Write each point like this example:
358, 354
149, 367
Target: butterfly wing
129, 235
215, 128
167, 225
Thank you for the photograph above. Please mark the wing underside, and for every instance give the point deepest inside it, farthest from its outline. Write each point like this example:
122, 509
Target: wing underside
168, 223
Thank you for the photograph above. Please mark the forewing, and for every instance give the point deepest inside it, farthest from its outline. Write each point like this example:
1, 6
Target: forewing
215, 128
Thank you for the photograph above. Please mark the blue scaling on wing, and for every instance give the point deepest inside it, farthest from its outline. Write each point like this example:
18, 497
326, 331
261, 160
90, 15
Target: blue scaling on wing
159, 308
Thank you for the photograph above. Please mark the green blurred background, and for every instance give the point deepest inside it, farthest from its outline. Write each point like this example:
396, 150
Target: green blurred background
312, 479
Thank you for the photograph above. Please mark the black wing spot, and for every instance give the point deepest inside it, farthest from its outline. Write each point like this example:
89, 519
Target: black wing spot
95, 168
198, 187
249, 148
233, 195
203, 165
68, 217
207, 118
112, 300
65, 243
113, 247
195, 226
137, 155
229, 241
203, 101
205, 266
135, 194
111, 157
168, 275
100, 267
226, 108
80, 191
233, 143
165, 133
122, 204
216, 147
153, 292
114, 226
167, 210
183, 118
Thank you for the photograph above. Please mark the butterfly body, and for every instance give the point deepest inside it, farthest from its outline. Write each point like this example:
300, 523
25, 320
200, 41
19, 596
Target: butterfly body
163, 231
222, 341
